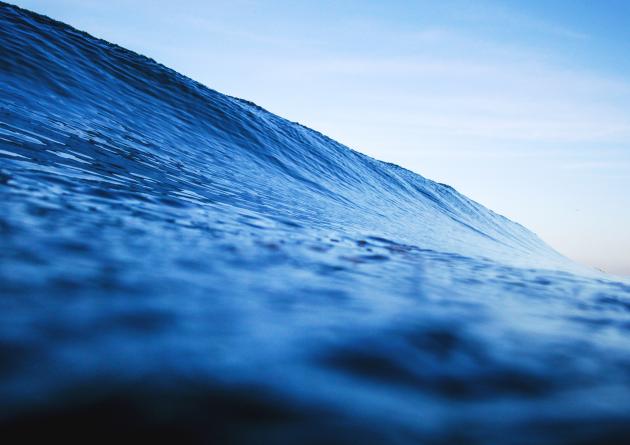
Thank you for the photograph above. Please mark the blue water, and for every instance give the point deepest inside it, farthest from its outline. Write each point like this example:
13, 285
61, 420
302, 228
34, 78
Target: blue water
180, 265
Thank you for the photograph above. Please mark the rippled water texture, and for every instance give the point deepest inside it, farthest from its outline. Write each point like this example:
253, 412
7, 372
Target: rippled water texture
180, 265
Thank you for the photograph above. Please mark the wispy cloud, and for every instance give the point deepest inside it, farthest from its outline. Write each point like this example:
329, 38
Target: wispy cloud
599, 165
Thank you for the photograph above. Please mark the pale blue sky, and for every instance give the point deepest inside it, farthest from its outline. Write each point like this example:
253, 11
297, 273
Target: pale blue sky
523, 106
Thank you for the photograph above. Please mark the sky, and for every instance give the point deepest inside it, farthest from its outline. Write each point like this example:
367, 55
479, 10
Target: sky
523, 106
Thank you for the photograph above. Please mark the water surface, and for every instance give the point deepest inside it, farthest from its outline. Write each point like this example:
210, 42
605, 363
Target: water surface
181, 265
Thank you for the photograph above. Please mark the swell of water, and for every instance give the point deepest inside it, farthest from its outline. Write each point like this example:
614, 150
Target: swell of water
177, 263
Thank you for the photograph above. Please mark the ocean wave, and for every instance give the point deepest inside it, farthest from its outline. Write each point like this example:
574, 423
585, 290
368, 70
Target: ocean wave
178, 263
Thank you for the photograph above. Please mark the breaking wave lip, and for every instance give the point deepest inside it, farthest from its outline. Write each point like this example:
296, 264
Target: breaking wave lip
176, 263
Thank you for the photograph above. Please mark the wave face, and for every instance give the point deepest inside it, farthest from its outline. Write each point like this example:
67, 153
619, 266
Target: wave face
178, 264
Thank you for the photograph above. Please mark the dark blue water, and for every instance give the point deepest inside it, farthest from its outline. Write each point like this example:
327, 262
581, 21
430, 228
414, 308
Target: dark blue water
180, 265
